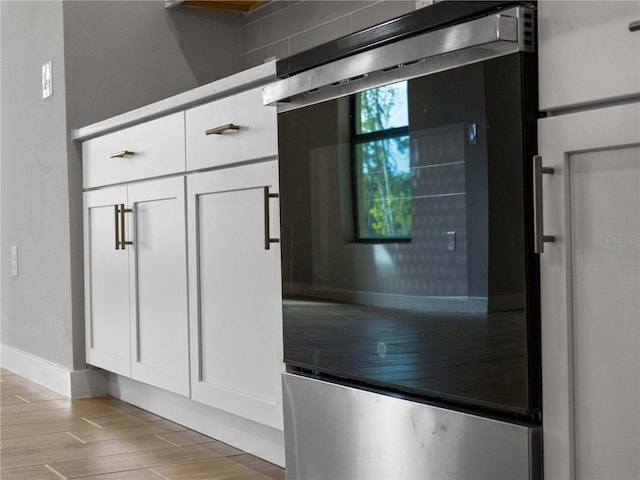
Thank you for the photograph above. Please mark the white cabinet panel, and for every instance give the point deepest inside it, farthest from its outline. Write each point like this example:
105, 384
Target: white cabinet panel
106, 284
154, 148
255, 137
159, 326
587, 52
590, 286
605, 277
136, 297
235, 296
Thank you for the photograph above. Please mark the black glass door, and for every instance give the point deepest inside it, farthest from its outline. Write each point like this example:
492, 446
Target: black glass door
405, 251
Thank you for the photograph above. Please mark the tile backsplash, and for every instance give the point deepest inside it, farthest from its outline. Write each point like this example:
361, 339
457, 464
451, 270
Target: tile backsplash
282, 28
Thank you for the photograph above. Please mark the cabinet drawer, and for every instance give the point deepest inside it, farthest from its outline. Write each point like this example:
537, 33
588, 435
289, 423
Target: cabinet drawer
587, 52
153, 148
256, 136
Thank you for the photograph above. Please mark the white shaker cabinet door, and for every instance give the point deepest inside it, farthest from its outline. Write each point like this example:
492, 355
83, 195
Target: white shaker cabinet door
589, 51
235, 301
590, 294
106, 276
158, 285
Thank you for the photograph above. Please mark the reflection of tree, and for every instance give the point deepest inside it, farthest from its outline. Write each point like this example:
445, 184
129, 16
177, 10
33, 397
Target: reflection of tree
385, 177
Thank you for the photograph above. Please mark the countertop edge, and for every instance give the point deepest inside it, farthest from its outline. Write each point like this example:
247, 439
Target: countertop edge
244, 80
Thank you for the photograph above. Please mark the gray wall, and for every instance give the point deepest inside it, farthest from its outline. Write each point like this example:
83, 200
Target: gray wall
36, 309
109, 57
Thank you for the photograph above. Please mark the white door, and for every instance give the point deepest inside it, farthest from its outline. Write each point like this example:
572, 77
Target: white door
235, 296
158, 272
590, 290
106, 282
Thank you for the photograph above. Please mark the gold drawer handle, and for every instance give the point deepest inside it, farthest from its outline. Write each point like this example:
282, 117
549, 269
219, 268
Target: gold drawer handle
223, 128
121, 154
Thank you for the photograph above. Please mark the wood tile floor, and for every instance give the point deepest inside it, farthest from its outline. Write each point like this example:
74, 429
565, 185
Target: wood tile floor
44, 435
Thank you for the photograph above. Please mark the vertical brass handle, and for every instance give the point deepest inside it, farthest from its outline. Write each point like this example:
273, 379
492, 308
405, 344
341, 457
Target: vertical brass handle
539, 237
117, 212
123, 242
267, 234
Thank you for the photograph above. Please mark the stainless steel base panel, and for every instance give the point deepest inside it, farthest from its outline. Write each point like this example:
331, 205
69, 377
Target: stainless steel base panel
335, 432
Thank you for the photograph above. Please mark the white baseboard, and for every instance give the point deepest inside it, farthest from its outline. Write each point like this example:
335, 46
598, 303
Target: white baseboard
70, 383
259, 440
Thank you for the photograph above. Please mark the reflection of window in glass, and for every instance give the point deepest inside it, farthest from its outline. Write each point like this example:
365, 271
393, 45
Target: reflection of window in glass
381, 162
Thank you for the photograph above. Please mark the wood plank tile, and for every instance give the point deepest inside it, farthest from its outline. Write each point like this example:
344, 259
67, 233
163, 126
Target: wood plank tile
129, 475
10, 399
185, 437
30, 393
161, 427
236, 467
87, 411
222, 449
25, 456
46, 440
47, 436
120, 418
116, 403
38, 406
133, 461
39, 472
24, 430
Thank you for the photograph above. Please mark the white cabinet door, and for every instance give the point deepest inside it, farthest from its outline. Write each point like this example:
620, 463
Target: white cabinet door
158, 273
136, 295
106, 274
235, 309
590, 292
587, 51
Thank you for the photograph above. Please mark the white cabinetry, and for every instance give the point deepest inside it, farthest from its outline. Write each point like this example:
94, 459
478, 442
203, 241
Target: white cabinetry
106, 275
147, 150
245, 130
590, 277
590, 290
587, 52
190, 303
136, 293
236, 342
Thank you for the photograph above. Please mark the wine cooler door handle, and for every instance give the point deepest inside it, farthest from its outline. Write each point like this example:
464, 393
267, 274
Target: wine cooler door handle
267, 234
540, 238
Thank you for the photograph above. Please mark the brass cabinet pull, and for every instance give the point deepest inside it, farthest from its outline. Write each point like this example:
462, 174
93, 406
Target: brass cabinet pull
123, 242
121, 154
267, 235
117, 212
223, 128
